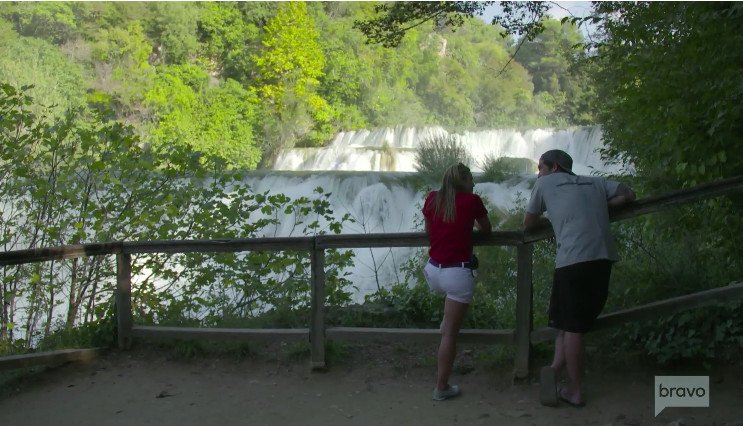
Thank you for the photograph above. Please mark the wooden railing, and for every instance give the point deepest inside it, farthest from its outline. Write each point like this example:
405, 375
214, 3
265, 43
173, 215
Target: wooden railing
523, 336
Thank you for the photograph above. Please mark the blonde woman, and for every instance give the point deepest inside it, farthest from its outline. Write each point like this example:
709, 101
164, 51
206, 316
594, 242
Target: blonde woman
450, 214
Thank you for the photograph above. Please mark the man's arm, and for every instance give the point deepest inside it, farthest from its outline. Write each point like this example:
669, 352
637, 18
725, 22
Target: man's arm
623, 196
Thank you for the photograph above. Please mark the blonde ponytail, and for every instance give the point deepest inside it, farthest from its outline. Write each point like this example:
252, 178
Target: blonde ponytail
454, 180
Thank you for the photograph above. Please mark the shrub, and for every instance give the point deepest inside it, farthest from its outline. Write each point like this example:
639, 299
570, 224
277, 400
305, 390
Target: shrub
436, 154
502, 168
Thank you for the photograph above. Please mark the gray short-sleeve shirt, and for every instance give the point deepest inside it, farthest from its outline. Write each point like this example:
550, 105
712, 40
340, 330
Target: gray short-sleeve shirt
578, 210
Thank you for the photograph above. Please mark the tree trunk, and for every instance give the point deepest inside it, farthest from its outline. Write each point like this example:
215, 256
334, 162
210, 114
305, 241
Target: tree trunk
74, 302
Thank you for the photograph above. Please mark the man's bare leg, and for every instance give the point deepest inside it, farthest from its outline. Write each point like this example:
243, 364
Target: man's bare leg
574, 361
558, 362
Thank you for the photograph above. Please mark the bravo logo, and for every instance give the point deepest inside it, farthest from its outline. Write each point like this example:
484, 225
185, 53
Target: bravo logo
681, 391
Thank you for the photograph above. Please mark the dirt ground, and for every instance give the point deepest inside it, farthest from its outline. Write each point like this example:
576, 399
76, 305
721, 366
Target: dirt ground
374, 384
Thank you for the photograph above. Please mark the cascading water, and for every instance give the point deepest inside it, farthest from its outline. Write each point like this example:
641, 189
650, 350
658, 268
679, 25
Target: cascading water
393, 150
368, 174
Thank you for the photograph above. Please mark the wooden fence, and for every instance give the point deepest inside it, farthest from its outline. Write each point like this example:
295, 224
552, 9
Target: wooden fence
523, 336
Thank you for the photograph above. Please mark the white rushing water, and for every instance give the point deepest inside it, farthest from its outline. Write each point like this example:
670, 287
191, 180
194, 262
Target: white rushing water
393, 150
366, 173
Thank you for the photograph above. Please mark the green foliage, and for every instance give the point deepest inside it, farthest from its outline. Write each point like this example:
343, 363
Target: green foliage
93, 334
174, 25
122, 56
222, 289
669, 80
228, 33
12, 347
57, 81
503, 168
411, 306
556, 62
52, 21
707, 335
216, 121
291, 64
433, 156
397, 18
673, 98
86, 179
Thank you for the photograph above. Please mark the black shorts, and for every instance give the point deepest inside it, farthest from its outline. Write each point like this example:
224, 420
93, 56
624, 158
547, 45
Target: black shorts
579, 293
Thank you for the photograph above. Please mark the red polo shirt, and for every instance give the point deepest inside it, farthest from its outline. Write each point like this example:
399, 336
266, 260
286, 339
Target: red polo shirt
452, 242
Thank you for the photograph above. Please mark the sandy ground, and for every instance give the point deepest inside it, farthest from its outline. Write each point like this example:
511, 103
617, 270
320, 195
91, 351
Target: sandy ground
370, 385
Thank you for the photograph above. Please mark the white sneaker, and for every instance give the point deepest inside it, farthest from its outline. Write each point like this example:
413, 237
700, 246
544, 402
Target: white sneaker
451, 392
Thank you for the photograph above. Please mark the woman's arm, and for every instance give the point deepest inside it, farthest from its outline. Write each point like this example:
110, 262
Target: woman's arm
532, 220
483, 224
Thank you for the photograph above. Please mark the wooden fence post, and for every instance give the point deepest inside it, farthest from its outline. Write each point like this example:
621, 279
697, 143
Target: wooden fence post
524, 306
317, 319
124, 299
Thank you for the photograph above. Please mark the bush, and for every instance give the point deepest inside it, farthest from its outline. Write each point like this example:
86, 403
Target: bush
502, 168
433, 156
704, 334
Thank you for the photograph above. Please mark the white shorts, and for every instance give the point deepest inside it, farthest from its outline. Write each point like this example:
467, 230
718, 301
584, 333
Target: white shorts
457, 283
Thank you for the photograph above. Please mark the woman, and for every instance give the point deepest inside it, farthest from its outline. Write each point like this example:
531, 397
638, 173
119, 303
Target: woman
450, 214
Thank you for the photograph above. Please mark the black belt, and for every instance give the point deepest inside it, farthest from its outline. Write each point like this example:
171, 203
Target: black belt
450, 265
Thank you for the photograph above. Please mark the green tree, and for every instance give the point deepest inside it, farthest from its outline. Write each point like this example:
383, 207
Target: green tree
58, 82
553, 58
229, 33
672, 89
291, 64
345, 71
124, 74
54, 22
174, 28
215, 121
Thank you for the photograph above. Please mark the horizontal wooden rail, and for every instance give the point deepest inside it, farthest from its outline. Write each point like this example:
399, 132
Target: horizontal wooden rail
655, 309
339, 333
48, 358
18, 257
426, 335
221, 245
405, 239
409, 239
202, 333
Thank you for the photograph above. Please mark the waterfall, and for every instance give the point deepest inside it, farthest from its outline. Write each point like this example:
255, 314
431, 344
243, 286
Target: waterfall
393, 150
369, 175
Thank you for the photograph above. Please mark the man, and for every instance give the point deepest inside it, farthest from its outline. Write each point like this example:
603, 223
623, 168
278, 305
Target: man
578, 208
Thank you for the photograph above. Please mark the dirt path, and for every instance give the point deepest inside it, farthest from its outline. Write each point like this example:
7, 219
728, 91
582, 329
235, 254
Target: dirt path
378, 386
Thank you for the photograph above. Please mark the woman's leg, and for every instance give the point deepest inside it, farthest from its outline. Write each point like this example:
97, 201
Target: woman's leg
453, 317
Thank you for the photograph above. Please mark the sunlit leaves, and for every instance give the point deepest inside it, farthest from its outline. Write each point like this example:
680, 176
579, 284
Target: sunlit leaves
398, 18
216, 121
